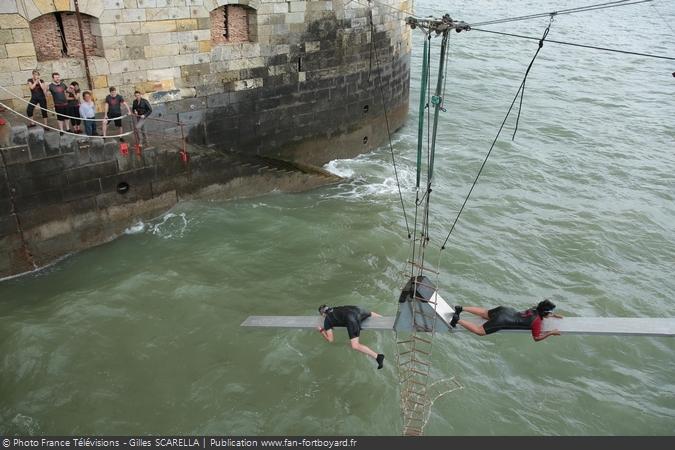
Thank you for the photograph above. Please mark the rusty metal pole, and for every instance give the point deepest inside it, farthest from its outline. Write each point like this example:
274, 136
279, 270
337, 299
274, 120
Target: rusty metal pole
84, 47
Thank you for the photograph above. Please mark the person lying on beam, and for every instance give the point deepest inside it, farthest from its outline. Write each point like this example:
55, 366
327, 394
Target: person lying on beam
350, 317
506, 318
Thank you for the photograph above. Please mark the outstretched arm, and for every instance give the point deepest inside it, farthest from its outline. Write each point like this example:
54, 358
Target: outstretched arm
327, 334
546, 334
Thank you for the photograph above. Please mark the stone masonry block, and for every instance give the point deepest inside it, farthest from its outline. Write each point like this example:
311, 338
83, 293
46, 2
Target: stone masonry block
36, 143
21, 49
186, 24
52, 143
22, 35
9, 65
28, 63
137, 40
68, 144
133, 15
295, 17
10, 21
160, 38
6, 37
91, 172
161, 50
78, 191
160, 26
20, 135
15, 155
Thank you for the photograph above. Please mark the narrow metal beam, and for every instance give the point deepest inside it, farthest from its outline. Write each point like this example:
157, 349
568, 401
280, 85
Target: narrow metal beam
616, 326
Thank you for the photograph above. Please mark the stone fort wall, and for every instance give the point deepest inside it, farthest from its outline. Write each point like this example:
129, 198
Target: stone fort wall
290, 80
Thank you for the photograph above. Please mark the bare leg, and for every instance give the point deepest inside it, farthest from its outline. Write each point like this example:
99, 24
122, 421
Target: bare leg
374, 314
362, 348
472, 327
483, 312
60, 125
104, 126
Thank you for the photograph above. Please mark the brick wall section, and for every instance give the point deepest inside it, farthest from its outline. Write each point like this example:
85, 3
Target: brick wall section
237, 24
47, 38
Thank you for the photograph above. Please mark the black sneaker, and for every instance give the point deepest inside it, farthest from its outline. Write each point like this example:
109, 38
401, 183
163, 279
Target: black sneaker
458, 309
455, 319
380, 360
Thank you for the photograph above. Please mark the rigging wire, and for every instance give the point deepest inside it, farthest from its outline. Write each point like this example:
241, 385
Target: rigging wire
527, 72
501, 127
663, 18
578, 9
593, 47
386, 116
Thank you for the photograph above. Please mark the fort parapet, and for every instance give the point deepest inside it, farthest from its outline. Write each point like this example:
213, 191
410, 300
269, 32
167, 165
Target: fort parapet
253, 82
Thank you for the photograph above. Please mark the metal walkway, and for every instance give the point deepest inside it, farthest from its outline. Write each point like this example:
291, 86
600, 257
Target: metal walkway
616, 326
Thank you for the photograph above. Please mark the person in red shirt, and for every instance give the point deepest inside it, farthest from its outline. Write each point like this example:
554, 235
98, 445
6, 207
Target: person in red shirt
507, 318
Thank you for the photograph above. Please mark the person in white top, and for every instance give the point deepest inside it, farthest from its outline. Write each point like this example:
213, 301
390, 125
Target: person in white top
88, 112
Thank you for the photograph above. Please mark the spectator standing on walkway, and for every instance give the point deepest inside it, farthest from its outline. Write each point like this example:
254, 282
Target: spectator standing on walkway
38, 96
58, 90
88, 112
112, 110
73, 96
142, 109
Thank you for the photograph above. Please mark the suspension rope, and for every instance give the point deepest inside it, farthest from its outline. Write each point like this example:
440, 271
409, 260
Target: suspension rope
501, 127
386, 117
578, 45
578, 9
65, 132
527, 72
54, 112
663, 18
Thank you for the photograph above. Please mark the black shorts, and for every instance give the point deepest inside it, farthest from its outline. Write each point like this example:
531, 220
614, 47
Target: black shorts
500, 318
37, 101
117, 119
74, 111
354, 323
61, 110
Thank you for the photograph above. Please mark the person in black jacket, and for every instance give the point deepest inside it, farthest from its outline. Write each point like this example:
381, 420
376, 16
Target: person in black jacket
351, 318
38, 96
141, 109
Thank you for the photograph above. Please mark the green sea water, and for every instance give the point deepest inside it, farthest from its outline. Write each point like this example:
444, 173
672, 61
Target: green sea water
142, 335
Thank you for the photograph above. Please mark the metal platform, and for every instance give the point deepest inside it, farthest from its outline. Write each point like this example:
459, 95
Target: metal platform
616, 326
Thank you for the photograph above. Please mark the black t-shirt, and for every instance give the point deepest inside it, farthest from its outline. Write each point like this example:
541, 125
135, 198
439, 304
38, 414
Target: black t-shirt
37, 92
114, 105
59, 93
341, 316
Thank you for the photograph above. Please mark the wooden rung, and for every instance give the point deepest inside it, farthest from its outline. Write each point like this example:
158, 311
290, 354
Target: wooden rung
413, 419
427, 341
417, 350
414, 264
419, 372
413, 401
410, 380
417, 361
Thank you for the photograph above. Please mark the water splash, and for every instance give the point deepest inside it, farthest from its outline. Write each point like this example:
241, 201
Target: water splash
136, 228
171, 226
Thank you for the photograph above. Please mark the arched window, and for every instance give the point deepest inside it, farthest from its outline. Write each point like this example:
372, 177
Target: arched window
57, 35
233, 23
